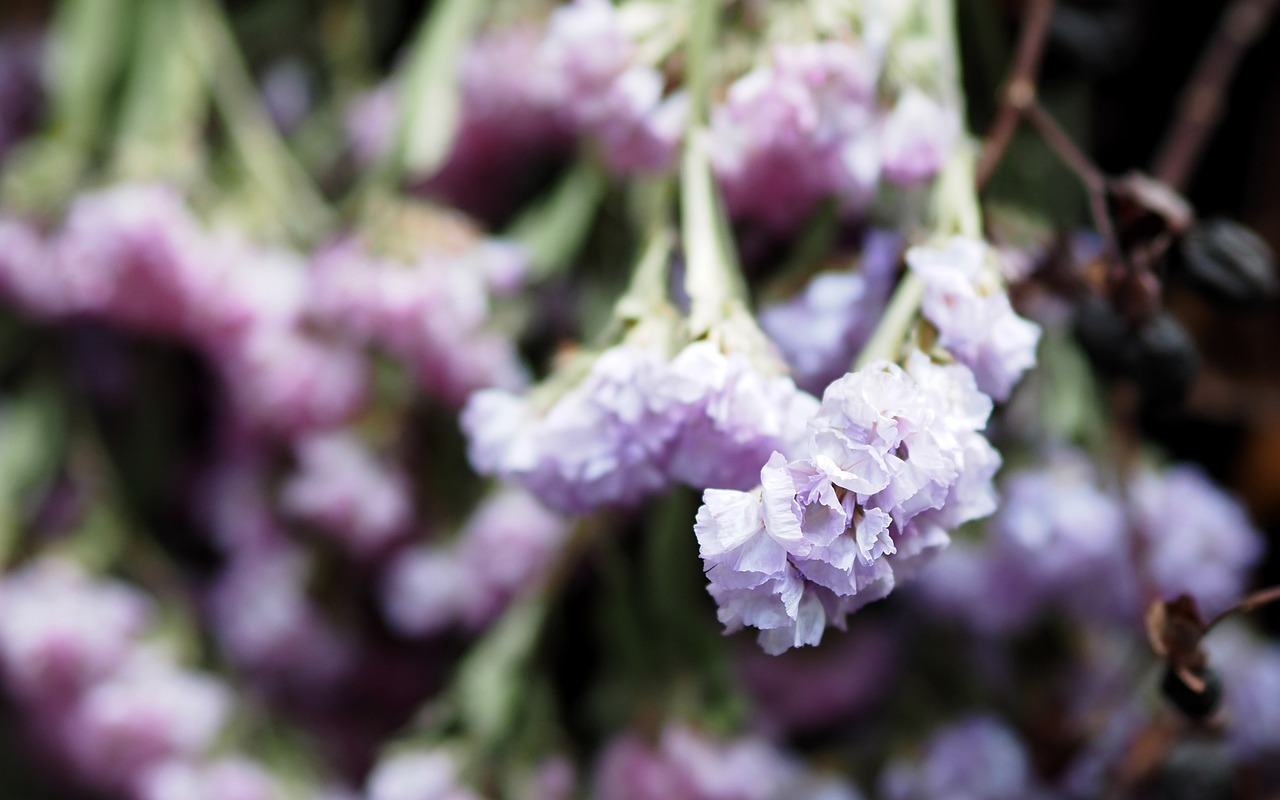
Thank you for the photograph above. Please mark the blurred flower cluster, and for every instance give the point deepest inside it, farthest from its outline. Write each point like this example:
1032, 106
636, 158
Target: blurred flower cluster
418, 406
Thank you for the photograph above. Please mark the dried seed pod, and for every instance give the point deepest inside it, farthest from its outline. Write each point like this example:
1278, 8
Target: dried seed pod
1229, 263
1167, 362
1197, 694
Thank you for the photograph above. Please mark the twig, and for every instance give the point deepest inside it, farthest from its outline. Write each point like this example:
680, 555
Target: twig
1019, 89
1200, 106
1095, 182
1248, 603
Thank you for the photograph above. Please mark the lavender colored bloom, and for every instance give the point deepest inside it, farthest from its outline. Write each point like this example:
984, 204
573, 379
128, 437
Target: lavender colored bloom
424, 591
147, 713
916, 138
1250, 670
978, 758
341, 488
225, 779
264, 621
820, 330
976, 324
808, 691
598, 443
607, 94
795, 131
734, 414
417, 775
431, 314
505, 549
894, 460
61, 631
1196, 538
428, 589
688, 766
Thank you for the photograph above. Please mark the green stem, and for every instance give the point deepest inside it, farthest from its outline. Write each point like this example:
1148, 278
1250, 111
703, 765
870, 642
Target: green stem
88, 51
553, 231
167, 96
253, 135
429, 95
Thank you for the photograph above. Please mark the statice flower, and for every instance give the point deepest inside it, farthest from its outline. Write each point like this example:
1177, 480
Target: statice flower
145, 714
504, 550
417, 775
431, 314
820, 330
598, 443
342, 489
916, 137
966, 302
61, 631
1250, 671
224, 779
688, 766
978, 758
265, 622
1197, 539
1058, 541
606, 92
797, 130
894, 459
734, 413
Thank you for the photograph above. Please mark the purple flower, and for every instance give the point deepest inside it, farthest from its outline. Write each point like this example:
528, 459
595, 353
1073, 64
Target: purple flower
688, 766
268, 626
505, 549
431, 314
821, 329
894, 459
1250, 670
225, 779
599, 443
795, 131
147, 713
975, 322
417, 775
978, 758
917, 137
1196, 538
734, 415
61, 631
341, 488
606, 93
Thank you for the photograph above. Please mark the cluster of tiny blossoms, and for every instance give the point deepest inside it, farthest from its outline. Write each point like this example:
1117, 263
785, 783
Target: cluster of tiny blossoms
1063, 540
639, 419
807, 124
286, 338
116, 710
893, 459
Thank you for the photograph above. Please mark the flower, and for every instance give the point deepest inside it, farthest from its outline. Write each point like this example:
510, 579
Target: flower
1197, 539
916, 137
61, 632
975, 322
894, 459
224, 779
416, 775
977, 758
341, 488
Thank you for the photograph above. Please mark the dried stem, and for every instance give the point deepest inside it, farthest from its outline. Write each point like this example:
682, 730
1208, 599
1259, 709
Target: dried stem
1200, 106
1095, 182
1248, 603
1019, 89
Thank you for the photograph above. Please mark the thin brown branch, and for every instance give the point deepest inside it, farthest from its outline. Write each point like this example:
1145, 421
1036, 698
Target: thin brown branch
1095, 182
1019, 88
1247, 604
1201, 103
